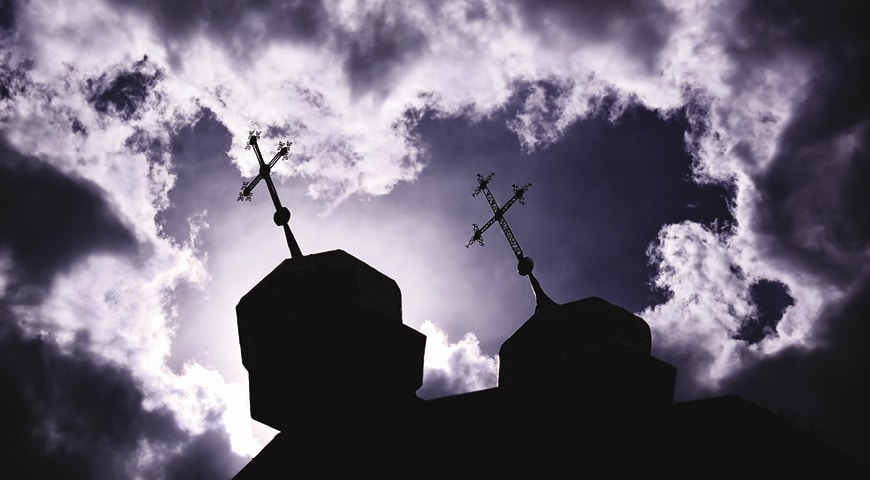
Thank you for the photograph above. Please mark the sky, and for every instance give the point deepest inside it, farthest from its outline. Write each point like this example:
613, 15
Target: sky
703, 164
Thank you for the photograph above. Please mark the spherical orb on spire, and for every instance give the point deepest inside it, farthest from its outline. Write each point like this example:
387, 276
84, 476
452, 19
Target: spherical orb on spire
525, 266
281, 216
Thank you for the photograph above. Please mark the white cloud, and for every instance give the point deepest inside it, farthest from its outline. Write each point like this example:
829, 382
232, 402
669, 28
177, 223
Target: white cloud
455, 367
123, 310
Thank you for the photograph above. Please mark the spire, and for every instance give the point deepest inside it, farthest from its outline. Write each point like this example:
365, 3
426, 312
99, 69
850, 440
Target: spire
542, 301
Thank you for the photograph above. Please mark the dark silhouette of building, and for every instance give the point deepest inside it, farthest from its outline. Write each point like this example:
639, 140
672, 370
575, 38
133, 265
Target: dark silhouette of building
334, 369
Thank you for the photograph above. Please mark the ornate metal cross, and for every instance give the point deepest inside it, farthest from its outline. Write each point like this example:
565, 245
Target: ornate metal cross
525, 264
282, 214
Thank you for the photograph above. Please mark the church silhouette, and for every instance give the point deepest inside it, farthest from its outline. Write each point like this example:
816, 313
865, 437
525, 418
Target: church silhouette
333, 368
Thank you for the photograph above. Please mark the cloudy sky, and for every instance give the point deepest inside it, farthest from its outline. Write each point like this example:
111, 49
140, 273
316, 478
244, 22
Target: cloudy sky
702, 164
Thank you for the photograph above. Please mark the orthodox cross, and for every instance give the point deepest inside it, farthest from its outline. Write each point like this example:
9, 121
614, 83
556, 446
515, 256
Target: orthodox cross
282, 214
525, 265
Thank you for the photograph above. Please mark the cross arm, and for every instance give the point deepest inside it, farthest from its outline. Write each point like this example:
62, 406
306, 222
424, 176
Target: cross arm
492, 203
512, 240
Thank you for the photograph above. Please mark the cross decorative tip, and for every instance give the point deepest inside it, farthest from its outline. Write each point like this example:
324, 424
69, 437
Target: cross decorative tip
244, 193
477, 237
482, 183
253, 135
520, 191
284, 149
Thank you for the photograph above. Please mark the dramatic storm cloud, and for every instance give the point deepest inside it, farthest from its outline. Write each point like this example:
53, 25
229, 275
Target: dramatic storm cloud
67, 412
703, 164
54, 207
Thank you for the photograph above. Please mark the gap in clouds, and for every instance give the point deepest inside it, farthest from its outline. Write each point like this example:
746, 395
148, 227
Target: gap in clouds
771, 299
205, 179
575, 189
823, 389
600, 194
124, 92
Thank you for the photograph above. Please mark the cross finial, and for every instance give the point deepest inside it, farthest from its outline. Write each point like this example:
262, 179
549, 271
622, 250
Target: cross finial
282, 213
525, 265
